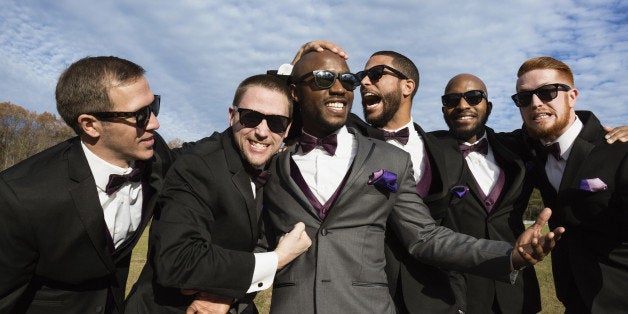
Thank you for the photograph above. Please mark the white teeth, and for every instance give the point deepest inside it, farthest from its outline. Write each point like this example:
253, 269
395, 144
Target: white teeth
541, 116
465, 118
335, 105
369, 94
258, 145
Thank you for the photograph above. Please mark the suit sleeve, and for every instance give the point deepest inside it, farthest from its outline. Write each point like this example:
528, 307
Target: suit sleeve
183, 253
441, 246
18, 256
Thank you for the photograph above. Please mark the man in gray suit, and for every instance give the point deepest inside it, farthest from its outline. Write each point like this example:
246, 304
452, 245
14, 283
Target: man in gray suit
345, 188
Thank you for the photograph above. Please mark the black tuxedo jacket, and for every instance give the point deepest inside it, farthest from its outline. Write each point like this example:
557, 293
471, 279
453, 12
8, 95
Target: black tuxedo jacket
57, 256
468, 215
590, 262
417, 287
205, 229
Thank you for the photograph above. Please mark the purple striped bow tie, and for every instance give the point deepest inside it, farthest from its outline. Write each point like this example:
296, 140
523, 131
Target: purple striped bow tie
328, 143
400, 136
479, 147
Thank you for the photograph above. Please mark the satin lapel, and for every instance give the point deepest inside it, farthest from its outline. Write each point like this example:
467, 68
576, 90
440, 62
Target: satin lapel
240, 179
86, 202
438, 166
579, 152
511, 164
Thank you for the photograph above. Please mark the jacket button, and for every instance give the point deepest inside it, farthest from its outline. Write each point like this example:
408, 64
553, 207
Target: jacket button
260, 284
324, 232
98, 309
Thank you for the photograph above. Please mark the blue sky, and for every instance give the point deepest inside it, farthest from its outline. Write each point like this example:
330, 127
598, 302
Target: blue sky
196, 52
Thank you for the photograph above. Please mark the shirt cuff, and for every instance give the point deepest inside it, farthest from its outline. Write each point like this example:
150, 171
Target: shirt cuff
264, 272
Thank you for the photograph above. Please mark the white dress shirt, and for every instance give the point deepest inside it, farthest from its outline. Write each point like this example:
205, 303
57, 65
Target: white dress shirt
484, 168
122, 209
322, 172
555, 168
415, 147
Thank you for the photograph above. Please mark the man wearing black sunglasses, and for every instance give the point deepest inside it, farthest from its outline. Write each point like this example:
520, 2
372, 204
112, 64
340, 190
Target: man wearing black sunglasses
71, 215
486, 177
208, 219
586, 180
331, 181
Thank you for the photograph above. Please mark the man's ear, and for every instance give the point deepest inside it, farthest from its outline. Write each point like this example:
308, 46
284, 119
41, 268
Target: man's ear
90, 126
231, 115
489, 108
293, 93
573, 97
408, 87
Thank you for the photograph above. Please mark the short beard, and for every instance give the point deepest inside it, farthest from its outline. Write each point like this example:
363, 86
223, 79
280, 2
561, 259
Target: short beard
465, 135
390, 103
553, 132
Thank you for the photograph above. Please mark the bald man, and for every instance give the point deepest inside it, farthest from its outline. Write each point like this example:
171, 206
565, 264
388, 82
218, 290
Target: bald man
488, 196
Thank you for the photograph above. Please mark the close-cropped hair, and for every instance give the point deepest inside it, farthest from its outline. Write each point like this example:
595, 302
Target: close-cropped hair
403, 64
84, 86
270, 82
546, 62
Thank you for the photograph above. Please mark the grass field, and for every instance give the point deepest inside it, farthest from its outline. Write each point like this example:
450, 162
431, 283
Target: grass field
543, 271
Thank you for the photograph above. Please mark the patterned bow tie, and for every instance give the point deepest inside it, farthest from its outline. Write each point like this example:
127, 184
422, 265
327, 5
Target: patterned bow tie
552, 149
116, 181
479, 147
328, 143
400, 136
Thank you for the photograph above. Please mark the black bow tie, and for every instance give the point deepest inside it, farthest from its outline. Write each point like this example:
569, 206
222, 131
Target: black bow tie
328, 143
116, 181
400, 136
552, 149
479, 147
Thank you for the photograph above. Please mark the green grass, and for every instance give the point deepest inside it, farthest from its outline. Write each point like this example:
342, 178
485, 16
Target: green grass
549, 302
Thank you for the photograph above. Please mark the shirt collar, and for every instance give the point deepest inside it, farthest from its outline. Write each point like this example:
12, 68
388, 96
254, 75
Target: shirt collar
565, 141
101, 169
409, 125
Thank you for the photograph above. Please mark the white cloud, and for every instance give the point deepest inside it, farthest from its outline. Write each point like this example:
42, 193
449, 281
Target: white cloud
196, 52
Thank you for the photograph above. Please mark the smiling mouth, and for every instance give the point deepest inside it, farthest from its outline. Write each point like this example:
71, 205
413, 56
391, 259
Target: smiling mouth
336, 105
258, 145
539, 117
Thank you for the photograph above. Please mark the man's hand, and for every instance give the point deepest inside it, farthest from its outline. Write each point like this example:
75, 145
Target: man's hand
532, 246
319, 45
619, 133
207, 303
292, 244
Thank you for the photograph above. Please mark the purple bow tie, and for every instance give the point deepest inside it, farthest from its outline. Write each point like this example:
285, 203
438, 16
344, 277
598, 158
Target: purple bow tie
400, 136
328, 143
479, 147
258, 176
552, 149
116, 181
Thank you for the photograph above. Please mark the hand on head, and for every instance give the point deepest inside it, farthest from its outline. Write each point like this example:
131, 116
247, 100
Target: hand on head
319, 45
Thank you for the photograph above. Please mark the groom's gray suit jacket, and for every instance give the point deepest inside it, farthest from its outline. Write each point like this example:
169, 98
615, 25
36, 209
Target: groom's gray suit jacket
343, 271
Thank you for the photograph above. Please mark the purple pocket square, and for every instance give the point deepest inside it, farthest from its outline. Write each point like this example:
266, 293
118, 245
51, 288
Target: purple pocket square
592, 185
384, 179
459, 190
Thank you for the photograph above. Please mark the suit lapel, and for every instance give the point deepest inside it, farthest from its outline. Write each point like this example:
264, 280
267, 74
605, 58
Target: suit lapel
87, 205
293, 189
241, 179
512, 166
438, 166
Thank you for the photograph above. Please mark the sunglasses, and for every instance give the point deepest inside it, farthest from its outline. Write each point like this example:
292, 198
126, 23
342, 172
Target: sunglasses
375, 73
142, 116
545, 93
325, 79
473, 97
251, 118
